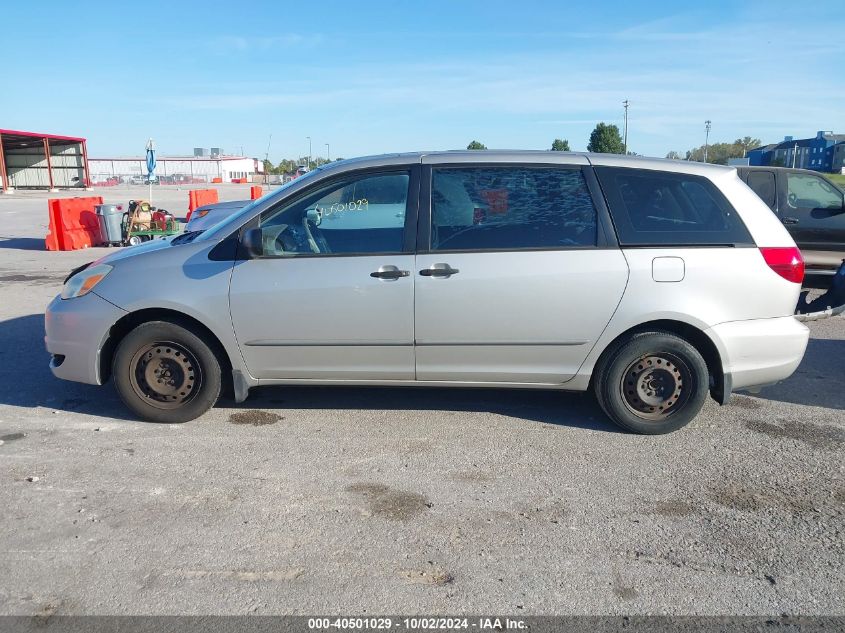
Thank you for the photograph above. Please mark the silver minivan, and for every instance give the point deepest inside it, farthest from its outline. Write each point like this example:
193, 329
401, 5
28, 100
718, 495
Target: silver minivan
649, 282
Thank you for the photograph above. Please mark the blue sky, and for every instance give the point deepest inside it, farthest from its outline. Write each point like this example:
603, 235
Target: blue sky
372, 77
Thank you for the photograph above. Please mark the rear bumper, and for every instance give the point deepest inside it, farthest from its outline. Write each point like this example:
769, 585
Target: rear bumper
75, 332
825, 262
761, 351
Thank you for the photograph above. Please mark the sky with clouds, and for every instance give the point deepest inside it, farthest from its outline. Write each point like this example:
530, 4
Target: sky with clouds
379, 76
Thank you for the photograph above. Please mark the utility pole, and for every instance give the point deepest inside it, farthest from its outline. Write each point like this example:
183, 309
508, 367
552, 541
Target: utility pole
706, 137
309, 152
328, 157
794, 153
267, 161
625, 137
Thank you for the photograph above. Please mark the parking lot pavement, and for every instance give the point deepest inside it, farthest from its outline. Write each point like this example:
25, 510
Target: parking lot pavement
360, 500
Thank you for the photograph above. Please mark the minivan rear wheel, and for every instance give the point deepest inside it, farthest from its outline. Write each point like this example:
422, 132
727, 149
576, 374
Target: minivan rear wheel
652, 383
165, 373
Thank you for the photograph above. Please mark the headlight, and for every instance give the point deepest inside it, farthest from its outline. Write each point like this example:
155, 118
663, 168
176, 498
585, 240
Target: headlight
83, 282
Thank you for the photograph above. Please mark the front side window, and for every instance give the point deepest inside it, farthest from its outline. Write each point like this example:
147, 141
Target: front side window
510, 208
655, 208
354, 215
806, 191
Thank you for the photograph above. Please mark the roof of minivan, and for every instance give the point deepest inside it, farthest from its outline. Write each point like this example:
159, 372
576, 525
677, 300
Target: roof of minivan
530, 156
775, 168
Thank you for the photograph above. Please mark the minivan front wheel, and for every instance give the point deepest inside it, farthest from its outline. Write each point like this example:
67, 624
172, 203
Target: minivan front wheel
165, 373
655, 382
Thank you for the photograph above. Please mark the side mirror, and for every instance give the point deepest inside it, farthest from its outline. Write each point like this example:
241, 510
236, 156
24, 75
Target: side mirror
252, 243
314, 216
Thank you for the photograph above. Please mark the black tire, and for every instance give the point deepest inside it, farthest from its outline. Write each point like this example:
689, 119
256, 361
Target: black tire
652, 383
164, 373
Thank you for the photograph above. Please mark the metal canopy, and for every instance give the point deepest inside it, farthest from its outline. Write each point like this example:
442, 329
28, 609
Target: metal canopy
14, 139
21, 155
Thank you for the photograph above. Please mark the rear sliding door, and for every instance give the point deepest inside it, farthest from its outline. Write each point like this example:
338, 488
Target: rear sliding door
516, 275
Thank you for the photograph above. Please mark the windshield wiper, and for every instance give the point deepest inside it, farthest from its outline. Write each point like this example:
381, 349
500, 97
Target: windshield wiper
185, 238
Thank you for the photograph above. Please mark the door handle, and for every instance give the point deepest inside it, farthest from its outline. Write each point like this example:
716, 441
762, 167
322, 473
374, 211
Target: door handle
389, 272
790, 220
439, 270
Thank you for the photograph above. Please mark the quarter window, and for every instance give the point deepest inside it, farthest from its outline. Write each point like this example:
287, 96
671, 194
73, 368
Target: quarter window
510, 208
655, 208
358, 215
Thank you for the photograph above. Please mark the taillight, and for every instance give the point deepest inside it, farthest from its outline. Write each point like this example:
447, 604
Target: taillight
786, 261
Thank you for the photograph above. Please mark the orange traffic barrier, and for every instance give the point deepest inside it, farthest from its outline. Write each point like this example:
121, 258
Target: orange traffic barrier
73, 223
54, 240
255, 192
201, 197
216, 181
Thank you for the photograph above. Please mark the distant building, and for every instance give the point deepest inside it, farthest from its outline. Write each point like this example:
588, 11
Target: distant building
839, 158
174, 169
825, 152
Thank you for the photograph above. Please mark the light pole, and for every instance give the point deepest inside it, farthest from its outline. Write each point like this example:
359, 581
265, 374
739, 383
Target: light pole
328, 156
706, 137
625, 137
267, 161
309, 152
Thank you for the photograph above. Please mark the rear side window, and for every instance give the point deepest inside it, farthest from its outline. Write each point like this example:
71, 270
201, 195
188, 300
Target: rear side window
510, 208
763, 184
655, 208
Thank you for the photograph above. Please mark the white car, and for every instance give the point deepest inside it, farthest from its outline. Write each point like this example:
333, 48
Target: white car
648, 282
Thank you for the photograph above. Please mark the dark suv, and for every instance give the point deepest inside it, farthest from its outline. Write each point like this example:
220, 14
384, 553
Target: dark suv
813, 210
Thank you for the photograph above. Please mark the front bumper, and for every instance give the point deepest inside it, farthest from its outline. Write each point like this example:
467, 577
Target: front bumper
76, 330
761, 351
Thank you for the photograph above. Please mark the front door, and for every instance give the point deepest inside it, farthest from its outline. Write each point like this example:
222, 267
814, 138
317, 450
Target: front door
333, 295
518, 282
813, 212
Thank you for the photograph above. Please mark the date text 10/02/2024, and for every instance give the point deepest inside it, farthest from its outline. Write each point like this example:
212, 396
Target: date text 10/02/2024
417, 623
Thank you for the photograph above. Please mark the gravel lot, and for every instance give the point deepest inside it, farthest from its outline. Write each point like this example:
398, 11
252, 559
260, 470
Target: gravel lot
310, 500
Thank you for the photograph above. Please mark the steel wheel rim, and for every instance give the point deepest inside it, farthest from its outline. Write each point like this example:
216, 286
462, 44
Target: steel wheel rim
165, 375
655, 386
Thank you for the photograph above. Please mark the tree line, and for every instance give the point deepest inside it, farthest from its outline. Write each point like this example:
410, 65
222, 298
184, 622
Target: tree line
719, 153
290, 165
605, 139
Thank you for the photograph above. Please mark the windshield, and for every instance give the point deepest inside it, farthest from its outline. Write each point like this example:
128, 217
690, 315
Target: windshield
229, 223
